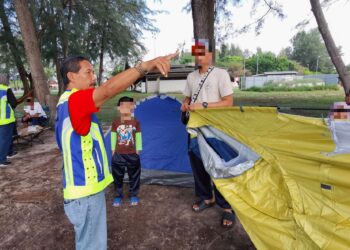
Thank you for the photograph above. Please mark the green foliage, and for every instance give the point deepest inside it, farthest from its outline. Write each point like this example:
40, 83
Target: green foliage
6, 58
310, 51
230, 59
186, 58
233, 59
223, 51
87, 28
267, 61
236, 70
117, 69
297, 67
286, 52
49, 72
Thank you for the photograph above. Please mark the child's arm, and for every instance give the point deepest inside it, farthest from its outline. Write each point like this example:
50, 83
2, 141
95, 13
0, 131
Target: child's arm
113, 141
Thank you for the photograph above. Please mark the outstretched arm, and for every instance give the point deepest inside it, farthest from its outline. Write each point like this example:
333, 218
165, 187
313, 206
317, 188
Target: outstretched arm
123, 80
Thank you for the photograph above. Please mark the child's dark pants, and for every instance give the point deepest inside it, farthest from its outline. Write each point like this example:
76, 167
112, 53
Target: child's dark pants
132, 164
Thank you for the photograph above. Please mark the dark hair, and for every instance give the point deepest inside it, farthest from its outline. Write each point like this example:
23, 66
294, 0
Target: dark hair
71, 64
125, 99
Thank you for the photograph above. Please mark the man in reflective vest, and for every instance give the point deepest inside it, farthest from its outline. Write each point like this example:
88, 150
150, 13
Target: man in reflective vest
7, 121
79, 136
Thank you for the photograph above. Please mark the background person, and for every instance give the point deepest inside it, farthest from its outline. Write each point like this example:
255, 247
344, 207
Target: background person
34, 113
7, 121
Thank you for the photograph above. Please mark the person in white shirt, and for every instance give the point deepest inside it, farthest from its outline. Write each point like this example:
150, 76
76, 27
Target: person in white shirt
34, 113
216, 91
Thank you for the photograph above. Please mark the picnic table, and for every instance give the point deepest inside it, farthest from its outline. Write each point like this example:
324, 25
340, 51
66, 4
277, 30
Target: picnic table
30, 134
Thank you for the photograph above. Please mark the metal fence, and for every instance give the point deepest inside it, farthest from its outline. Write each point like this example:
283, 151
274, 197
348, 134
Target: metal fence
259, 81
328, 79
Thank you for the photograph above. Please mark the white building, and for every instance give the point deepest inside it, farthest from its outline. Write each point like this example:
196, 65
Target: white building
174, 83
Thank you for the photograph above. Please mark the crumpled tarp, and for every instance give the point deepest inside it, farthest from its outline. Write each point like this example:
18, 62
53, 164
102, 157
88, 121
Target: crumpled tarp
297, 194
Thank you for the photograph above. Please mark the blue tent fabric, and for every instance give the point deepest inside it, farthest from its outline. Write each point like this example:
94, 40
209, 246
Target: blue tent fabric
164, 157
164, 136
226, 152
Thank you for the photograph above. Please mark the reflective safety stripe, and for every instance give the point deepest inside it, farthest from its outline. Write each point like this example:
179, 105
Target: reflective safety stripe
3, 102
99, 161
89, 164
67, 155
95, 131
64, 97
75, 192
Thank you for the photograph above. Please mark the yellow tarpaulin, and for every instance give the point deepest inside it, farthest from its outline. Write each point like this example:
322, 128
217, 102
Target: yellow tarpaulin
296, 196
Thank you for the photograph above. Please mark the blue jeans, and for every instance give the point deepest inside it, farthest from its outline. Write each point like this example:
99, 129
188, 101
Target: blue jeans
88, 216
6, 132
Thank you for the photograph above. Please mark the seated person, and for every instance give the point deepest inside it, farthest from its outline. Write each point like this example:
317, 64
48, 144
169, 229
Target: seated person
34, 113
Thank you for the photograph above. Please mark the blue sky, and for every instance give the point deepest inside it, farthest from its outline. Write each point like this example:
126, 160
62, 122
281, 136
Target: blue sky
176, 27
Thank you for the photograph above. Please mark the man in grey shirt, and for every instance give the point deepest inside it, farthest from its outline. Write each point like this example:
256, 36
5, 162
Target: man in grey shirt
215, 92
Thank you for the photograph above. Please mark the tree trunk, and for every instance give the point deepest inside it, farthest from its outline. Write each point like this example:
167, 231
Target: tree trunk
13, 48
203, 21
61, 88
32, 50
330, 45
52, 101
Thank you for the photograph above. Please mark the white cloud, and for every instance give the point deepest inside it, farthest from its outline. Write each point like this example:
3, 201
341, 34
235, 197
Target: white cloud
175, 28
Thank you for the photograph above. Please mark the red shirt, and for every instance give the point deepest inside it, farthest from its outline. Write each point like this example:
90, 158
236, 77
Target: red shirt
81, 106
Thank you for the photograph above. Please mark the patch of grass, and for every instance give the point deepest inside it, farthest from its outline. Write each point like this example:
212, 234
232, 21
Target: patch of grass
317, 99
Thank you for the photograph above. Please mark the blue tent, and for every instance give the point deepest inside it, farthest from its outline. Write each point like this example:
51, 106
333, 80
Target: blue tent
164, 158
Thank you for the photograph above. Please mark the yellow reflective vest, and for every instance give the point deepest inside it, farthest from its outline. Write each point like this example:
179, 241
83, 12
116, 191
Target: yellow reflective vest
85, 163
7, 114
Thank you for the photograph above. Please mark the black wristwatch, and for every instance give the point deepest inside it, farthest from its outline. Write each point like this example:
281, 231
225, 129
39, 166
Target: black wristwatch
205, 105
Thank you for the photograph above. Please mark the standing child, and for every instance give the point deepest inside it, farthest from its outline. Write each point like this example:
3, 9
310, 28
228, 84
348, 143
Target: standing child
126, 144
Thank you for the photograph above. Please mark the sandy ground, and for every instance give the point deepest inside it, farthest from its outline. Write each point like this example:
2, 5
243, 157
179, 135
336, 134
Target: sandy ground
32, 216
